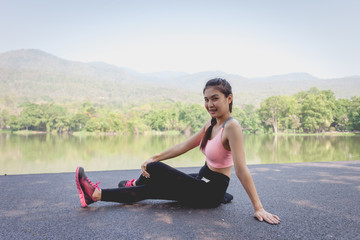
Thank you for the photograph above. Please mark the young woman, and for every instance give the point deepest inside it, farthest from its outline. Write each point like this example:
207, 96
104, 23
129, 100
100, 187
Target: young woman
220, 140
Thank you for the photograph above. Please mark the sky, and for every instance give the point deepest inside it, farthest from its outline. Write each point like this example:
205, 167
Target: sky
251, 38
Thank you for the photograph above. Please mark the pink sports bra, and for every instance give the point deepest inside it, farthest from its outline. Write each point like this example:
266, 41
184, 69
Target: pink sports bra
216, 155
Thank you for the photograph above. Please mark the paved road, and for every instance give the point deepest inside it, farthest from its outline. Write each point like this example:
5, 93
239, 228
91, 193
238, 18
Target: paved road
313, 200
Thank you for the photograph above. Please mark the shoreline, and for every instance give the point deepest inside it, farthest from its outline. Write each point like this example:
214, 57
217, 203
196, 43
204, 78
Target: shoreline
184, 167
171, 133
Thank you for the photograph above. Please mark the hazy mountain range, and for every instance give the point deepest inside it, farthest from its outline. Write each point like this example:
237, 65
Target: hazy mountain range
38, 76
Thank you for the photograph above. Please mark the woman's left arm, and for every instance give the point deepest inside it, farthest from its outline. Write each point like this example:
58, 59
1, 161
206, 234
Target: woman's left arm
235, 138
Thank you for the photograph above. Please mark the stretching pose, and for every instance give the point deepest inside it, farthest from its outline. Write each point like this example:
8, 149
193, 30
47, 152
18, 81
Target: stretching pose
220, 140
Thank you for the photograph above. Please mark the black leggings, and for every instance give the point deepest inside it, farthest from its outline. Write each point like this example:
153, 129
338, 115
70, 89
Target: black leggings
206, 189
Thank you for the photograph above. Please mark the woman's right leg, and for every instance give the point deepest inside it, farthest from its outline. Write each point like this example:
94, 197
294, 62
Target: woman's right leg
165, 182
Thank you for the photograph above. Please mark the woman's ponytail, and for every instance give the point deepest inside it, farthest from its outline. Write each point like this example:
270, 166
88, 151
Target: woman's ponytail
207, 134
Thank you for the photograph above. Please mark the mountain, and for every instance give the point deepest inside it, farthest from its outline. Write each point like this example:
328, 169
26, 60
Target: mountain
34, 75
36, 60
300, 76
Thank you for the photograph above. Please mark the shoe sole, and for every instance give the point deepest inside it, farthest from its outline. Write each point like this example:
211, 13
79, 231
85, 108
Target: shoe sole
81, 193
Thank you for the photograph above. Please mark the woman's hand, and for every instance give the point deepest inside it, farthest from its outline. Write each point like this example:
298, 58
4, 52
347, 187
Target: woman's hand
143, 168
268, 217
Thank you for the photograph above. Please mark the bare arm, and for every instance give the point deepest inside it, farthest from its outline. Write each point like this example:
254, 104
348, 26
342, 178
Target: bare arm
176, 150
180, 148
235, 138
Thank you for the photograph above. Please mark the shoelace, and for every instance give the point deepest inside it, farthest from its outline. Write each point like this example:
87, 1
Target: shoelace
92, 184
129, 183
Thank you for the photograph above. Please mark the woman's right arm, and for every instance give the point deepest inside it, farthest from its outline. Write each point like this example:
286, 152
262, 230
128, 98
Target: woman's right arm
176, 150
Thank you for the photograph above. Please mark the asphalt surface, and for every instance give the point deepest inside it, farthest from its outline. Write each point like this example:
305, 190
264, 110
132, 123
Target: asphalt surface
313, 200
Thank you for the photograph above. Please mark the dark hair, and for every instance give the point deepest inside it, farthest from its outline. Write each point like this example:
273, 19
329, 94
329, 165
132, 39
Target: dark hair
223, 86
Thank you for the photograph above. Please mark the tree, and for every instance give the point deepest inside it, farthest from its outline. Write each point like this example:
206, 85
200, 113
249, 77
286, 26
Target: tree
14, 123
89, 109
248, 118
272, 110
29, 116
317, 109
294, 122
54, 117
4, 119
116, 122
354, 113
341, 118
135, 124
78, 121
291, 117
158, 119
193, 117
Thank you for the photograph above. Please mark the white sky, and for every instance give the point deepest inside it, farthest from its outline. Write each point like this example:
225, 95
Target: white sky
250, 38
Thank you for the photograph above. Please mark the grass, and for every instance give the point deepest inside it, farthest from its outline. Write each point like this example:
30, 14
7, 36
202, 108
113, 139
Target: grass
166, 133
84, 134
27, 132
4, 131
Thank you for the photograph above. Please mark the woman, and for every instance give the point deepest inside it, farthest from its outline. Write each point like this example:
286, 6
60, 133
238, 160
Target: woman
220, 140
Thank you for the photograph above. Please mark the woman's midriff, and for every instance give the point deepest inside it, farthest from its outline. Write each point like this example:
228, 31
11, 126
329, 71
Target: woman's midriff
225, 171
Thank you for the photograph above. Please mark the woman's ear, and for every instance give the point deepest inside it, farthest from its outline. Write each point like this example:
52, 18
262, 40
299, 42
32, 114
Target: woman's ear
230, 98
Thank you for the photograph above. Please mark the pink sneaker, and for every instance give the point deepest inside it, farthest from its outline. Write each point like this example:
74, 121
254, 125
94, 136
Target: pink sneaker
126, 183
85, 187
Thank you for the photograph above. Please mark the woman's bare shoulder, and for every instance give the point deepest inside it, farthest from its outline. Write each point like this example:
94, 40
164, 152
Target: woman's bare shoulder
233, 126
233, 123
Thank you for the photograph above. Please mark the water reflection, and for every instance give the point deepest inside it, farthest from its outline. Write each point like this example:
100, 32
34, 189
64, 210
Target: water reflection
289, 149
49, 153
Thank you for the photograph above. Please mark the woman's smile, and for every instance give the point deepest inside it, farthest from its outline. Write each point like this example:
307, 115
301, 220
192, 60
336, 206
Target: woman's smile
212, 111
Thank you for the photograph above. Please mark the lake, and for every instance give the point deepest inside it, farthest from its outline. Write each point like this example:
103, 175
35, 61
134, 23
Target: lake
52, 154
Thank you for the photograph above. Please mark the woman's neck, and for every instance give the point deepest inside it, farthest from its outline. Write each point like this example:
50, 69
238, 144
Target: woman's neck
220, 121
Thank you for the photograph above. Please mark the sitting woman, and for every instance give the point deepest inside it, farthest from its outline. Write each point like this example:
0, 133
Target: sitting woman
221, 141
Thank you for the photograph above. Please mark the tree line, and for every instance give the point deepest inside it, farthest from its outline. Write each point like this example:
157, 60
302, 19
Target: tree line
311, 111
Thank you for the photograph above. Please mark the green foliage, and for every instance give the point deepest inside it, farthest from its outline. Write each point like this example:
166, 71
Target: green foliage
353, 113
318, 108
14, 123
248, 117
273, 112
159, 119
43, 117
311, 111
78, 122
193, 117
4, 119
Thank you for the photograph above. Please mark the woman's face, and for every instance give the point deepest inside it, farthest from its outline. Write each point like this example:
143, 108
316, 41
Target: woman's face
216, 103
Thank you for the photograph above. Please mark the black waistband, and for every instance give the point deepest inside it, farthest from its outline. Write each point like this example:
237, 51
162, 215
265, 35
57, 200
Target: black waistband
206, 172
